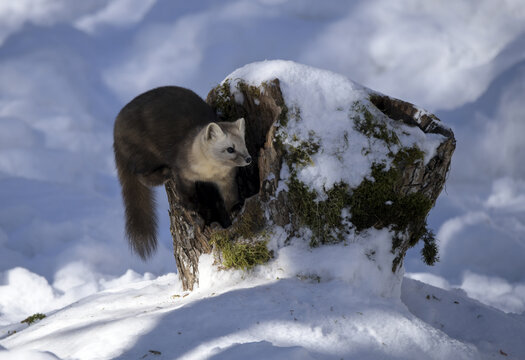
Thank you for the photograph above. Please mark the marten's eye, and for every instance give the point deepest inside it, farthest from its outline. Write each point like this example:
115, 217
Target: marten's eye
230, 150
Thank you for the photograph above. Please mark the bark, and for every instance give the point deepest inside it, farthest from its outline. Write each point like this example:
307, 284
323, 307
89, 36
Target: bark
190, 238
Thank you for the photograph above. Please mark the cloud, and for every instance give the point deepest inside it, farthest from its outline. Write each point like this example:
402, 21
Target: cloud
116, 13
436, 54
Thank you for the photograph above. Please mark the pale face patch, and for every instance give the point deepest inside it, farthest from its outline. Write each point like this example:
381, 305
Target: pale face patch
227, 145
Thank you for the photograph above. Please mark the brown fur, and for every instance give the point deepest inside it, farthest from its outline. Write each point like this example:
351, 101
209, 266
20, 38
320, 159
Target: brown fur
170, 132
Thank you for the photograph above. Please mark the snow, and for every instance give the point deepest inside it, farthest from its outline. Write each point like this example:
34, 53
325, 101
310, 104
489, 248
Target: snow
464, 319
261, 316
266, 318
66, 68
321, 103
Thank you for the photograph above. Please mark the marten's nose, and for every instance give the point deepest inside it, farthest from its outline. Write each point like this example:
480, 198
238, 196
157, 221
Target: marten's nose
248, 159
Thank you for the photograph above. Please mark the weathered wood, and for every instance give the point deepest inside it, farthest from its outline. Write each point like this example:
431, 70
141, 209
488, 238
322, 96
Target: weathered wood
190, 238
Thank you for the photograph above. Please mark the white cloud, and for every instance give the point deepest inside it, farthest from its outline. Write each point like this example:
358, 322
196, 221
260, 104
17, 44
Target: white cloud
437, 54
116, 13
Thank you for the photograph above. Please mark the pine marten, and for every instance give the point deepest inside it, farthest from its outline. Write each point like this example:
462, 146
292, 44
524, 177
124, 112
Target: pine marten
171, 133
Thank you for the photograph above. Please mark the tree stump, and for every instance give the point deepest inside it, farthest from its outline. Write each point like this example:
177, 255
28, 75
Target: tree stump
267, 204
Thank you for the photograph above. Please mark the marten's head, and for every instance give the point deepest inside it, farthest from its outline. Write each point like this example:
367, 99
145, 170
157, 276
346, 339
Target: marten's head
226, 144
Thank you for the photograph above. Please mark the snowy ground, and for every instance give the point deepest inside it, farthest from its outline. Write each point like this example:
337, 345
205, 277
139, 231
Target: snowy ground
272, 319
67, 68
267, 317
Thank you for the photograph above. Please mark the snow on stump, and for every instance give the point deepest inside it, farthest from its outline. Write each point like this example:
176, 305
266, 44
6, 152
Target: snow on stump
332, 160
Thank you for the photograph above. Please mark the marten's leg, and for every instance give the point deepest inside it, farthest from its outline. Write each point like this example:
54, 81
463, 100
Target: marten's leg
229, 192
157, 176
210, 204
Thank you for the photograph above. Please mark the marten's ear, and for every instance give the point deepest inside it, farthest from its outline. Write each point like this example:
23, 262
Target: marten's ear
213, 131
240, 125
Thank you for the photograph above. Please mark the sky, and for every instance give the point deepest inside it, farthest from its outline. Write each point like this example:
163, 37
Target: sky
66, 69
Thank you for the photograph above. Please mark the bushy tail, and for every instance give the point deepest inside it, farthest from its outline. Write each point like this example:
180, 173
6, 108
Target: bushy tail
141, 219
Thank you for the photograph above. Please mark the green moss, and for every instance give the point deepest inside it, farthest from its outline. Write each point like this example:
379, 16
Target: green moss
283, 116
371, 126
301, 154
252, 91
297, 152
33, 318
407, 157
240, 254
377, 203
224, 103
236, 244
281, 135
323, 218
429, 252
